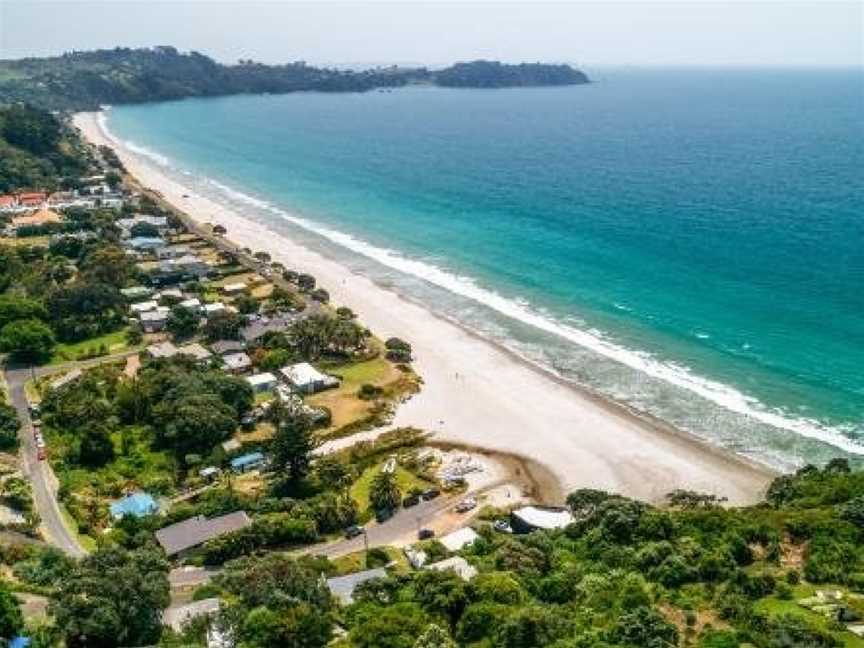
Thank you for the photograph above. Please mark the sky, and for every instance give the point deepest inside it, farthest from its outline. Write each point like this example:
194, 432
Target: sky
693, 32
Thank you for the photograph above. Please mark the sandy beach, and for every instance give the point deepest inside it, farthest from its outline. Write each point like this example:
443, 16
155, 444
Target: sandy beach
478, 394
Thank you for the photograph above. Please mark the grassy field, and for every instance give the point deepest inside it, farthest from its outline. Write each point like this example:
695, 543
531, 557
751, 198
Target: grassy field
356, 561
775, 607
113, 343
84, 540
404, 479
26, 241
344, 404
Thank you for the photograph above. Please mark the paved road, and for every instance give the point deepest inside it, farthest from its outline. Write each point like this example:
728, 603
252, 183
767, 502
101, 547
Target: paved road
39, 472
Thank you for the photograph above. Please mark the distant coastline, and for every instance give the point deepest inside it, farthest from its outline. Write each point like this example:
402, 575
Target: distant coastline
79, 81
580, 438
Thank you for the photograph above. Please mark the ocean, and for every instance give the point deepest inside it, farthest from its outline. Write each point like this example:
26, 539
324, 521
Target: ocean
688, 242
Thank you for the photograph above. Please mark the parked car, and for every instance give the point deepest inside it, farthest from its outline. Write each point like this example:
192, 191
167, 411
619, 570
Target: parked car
425, 534
411, 500
383, 515
466, 505
502, 526
353, 531
430, 494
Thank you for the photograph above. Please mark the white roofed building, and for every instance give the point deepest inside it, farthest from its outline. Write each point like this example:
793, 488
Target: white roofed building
306, 379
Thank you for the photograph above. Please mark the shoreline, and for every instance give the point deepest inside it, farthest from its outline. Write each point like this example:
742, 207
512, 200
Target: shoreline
479, 394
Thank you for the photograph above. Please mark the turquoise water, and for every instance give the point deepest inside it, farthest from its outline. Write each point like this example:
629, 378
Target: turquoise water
688, 242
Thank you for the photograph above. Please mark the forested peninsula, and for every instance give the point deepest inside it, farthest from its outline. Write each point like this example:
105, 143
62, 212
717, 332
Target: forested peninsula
79, 81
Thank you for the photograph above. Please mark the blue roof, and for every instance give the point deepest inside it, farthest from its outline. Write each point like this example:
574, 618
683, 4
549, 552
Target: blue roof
138, 504
245, 460
20, 642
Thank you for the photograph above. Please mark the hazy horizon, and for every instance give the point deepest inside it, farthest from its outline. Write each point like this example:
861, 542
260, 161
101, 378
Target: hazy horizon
589, 34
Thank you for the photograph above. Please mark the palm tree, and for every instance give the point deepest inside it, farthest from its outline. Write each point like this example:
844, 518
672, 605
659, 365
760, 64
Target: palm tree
384, 493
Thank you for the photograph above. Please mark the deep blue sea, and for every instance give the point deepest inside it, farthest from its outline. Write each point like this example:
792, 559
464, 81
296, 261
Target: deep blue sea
689, 242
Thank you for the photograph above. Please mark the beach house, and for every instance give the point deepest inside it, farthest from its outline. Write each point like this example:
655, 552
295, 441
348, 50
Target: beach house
195, 531
247, 462
263, 382
137, 504
532, 518
306, 379
39, 218
155, 320
236, 362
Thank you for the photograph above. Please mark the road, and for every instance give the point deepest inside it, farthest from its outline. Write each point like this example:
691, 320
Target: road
39, 472
401, 528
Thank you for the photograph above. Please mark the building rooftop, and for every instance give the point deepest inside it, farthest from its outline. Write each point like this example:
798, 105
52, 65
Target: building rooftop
544, 517
137, 504
247, 460
342, 587
237, 361
164, 349
195, 350
303, 373
226, 346
459, 539
177, 617
457, 564
259, 379
198, 530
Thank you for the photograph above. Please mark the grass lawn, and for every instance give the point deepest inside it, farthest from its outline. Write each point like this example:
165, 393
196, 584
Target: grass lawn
84, 540
775, 607
356, 561
113, 342
404, 479
249, 278
25, 241
343, 402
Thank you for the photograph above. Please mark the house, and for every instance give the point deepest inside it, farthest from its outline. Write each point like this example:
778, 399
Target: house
185, 535
32, 199
169, 293
263, 382
8, 202
532, 518
260, 327
136, 292
306, 379
416, 557
111, 201
143, 243
459, 539
234, 288
342, 587
211, 309
41, 217
247, 462
209, 473
138, 504
154, 321
195, 350
222, 347
126, 224
236, 362
192, 303
172, 252
178, 617
457, 564
143, 307
162, 350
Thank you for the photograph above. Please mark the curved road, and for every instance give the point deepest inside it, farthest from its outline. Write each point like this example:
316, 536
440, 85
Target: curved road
39, 472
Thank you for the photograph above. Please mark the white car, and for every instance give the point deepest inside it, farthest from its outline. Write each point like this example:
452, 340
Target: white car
466, 505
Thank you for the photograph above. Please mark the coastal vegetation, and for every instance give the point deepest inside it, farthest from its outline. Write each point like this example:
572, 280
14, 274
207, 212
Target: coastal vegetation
86, 80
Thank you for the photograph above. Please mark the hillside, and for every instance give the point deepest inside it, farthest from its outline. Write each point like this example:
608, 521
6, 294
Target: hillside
86, 80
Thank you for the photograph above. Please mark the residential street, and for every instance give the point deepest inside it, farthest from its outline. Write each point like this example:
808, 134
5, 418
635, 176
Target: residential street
39, 472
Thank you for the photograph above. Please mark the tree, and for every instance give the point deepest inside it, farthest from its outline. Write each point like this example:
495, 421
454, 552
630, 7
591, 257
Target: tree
332, 473
264, 257
183, 322
306, 282
9, 426
398, 350
14, 308
11, 619
108, 264
645, 628
296, 626
384, 493
220, 230
247, 304
113, 598
292, 443
853, 511
96, 447
194, 424
144, 229
84, 309
434, 637
27, 340
223, 326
